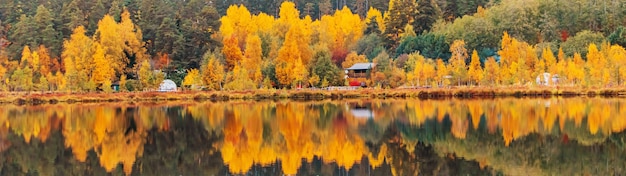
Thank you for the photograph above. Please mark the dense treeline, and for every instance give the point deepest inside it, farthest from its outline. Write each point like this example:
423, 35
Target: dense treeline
86, 46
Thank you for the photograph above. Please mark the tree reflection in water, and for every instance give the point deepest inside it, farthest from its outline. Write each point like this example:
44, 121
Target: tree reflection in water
366, 137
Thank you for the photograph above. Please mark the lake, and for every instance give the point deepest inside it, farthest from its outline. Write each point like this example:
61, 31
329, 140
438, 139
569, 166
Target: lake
509, 136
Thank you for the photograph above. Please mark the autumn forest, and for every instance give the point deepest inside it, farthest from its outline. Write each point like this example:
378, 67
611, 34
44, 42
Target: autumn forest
88, 46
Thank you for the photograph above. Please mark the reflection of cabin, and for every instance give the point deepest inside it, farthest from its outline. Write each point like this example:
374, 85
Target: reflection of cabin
360, 70
362, 110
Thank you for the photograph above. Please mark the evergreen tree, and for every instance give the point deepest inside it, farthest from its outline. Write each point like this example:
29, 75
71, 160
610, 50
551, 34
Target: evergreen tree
45, 32
400, 13
429, 12
22, 34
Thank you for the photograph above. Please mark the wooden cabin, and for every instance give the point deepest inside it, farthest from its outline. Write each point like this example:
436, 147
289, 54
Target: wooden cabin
360, 70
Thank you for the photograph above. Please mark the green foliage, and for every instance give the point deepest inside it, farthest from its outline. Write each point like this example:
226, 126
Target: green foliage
399, 15
45, 32
372, 27
477, 32
185, 30
267, 84
370, 45
383, 62
21, 35
457, 8
90, 86
580, 42
132, 85
18, 80
325, 68
618, 37
429, 45
43, 84
428, 14
268, 69
177, 76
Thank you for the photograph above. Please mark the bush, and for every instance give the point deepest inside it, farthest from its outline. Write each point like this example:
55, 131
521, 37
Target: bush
580, 43
133, 85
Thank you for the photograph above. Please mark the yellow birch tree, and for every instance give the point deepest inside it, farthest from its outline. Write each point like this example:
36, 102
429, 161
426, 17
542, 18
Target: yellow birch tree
475, 70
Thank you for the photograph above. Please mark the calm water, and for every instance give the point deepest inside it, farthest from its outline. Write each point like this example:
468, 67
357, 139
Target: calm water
573, 136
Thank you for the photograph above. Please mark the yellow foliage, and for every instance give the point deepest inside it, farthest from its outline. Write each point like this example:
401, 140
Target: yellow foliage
232, 52
146, 75
375, 14
238, 22
102, 71
27, 58
213, 74
34, 64
492, 70
288, 55
227, 27
46, 62
424, 69
118, 39
108, 35
475, 70
341, 30
253, 56
78, 52
264, 22
457, 60
442, 72
550, 60
3, 71
239, 79
352, 59
192, 79
596, 62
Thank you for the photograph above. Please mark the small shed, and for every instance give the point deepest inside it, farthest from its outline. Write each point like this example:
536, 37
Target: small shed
167, 86
360, 70
115, 86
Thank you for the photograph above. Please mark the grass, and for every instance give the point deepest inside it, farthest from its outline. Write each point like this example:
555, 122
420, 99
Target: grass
436, 93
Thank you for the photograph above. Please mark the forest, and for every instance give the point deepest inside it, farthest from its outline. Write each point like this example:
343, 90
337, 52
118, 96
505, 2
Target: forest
87, 45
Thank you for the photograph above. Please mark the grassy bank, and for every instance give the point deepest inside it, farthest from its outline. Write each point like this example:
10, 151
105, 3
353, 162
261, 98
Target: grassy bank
462, 92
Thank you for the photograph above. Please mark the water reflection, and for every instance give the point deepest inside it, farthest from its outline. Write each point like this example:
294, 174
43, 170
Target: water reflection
366, 137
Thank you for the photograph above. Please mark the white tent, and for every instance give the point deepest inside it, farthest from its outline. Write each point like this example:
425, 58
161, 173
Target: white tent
167, 86
542, 79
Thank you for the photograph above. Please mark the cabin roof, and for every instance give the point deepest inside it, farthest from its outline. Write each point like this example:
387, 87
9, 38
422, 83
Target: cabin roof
362, 66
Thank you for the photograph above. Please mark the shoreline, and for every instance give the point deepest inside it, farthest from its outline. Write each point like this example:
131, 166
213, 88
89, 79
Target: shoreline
36, 98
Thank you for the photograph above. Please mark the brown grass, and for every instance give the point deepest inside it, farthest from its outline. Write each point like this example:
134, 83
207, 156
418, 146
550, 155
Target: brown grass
436, 93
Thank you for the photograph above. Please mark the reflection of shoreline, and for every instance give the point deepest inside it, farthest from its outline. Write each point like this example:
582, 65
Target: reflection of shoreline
35, 98
262, 133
